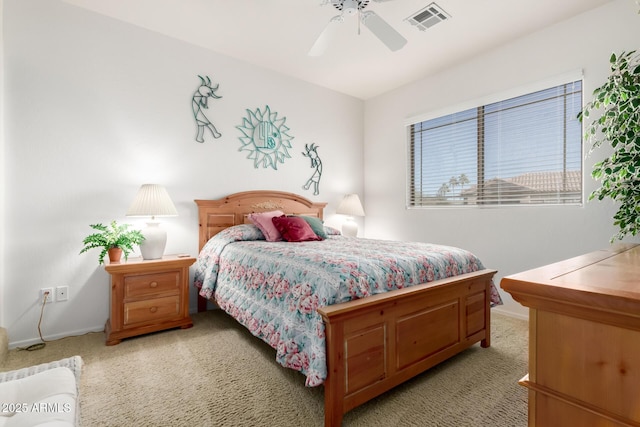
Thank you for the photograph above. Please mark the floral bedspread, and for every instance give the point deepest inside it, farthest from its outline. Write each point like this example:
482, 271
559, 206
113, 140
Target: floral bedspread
274, 288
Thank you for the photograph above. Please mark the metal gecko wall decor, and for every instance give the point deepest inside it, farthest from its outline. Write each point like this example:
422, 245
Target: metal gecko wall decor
200, 100
265, 137
312, 153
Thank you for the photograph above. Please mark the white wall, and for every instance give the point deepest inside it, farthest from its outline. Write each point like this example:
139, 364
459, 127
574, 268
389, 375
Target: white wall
507, 239
94, 108
2, 164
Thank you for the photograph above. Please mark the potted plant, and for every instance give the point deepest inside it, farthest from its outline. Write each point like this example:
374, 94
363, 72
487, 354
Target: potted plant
113, 239
616, 105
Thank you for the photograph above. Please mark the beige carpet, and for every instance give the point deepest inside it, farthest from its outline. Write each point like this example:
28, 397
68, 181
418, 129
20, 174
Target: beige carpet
218, 374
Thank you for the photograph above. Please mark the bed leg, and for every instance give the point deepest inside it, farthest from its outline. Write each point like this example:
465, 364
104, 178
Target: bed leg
486, 342
202, 304
332, 411
334, 384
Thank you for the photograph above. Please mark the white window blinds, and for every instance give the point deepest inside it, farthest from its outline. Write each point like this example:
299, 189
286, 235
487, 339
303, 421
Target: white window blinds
519, 151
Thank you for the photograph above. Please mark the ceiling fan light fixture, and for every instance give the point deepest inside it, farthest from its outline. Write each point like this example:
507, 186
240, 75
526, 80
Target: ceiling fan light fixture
350, 7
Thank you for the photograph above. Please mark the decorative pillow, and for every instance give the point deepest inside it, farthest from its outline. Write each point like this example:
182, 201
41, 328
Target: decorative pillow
331, 231
315, 223
263, 221
294, 228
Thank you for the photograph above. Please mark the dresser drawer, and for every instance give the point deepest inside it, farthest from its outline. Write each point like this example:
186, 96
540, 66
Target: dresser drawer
581, 358
148, 284
151, 310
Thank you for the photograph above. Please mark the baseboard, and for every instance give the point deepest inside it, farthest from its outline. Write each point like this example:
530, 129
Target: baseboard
510, 313
26, 343
5, 345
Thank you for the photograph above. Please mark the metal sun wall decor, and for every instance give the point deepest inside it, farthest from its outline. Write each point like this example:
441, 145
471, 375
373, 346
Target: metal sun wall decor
311, 151
265, 137
200, 100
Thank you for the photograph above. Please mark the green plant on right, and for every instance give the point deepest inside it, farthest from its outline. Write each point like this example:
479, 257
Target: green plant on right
616, 121
112, 236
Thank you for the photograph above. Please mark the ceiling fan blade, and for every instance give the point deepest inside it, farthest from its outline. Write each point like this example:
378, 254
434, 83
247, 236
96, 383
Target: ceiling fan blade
325, 37
385, 32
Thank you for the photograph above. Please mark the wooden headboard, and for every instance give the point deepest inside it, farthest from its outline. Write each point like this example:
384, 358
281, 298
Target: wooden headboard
216, 215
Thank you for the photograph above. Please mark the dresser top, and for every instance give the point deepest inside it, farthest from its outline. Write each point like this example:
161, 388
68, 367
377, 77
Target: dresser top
608, 279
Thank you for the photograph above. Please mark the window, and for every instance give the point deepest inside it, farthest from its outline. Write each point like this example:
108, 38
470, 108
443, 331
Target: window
519, 151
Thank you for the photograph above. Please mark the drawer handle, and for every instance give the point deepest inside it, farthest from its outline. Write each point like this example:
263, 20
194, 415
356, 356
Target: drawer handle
153, 309
153, 284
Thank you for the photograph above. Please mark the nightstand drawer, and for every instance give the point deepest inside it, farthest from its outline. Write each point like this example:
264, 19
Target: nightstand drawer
149, 284
151, 310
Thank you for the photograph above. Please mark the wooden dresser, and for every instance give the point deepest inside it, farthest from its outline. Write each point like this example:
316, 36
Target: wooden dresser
584, 338
148, 296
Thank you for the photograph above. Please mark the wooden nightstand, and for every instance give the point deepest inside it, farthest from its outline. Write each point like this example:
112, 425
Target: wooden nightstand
148, 296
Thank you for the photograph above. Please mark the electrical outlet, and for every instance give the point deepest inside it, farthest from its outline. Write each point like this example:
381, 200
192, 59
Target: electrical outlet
62, 293
44, 291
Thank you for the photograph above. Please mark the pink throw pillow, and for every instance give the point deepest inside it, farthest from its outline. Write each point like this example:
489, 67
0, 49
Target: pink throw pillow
262, 220
294, 229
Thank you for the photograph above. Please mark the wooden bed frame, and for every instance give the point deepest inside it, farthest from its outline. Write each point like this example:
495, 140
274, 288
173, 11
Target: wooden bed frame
375, 343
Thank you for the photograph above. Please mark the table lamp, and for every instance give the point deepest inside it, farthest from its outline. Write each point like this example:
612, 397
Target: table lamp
351, 207
152, 200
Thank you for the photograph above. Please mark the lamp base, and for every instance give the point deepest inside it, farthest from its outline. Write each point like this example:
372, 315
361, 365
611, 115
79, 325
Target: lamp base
155, 240
350, 228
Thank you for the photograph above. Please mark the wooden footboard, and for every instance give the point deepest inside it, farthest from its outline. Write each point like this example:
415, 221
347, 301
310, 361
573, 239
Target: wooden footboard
376, 343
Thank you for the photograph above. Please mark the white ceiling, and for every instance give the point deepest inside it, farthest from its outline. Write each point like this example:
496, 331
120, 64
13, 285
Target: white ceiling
277, 34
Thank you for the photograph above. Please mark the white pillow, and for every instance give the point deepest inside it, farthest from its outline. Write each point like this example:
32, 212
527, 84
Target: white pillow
46, 398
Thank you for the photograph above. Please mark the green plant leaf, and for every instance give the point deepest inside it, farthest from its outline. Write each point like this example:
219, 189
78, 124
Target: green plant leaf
112, 236
615, 108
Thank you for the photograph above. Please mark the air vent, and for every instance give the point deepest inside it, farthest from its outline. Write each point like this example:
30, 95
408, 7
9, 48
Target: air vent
428, 17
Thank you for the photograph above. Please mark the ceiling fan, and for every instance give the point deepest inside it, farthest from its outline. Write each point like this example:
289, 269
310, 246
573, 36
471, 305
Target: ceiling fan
348, 8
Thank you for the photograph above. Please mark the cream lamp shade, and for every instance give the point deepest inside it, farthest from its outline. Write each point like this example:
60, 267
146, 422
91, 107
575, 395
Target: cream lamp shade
152, 200
350, 206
